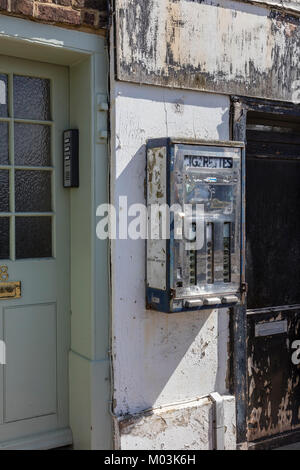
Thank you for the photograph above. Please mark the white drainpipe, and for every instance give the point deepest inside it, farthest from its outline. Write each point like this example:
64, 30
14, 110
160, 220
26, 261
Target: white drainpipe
219, 425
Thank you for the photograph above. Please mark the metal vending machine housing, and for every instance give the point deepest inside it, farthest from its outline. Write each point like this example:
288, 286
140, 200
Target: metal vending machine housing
194, 201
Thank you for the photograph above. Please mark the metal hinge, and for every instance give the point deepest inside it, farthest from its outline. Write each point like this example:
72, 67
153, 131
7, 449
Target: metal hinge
102, 108
244, 288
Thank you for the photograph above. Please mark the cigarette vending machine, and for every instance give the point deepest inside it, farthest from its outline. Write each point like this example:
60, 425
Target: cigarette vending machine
194, 201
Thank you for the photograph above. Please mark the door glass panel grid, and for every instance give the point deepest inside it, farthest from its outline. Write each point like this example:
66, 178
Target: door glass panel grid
27, 212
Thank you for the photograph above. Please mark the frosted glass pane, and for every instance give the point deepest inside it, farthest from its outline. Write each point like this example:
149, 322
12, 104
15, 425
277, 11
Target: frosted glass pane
32, 191
4, 143
32, 145
33, 237
4, 190
31, 98
4, 237
3, 96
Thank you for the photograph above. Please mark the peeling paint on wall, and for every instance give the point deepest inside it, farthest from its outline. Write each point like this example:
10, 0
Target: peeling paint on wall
227, 46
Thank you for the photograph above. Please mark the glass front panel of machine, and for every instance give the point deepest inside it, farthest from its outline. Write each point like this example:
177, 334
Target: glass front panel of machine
205, 182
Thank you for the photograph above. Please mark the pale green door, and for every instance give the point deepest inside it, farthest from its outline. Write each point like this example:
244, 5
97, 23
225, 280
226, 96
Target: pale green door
35, 248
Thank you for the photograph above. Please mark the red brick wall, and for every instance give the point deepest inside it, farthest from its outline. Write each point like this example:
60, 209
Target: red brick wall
82, 14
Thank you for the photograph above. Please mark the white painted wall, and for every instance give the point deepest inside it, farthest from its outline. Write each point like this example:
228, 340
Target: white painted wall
159, 359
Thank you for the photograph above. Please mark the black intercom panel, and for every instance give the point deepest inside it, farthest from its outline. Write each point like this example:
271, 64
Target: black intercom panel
71, 161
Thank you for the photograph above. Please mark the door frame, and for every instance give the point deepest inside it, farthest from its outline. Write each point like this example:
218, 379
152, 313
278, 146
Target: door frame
85, 54
240, 106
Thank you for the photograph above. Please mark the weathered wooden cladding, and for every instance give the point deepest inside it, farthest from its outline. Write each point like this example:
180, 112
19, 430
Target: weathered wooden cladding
226, 47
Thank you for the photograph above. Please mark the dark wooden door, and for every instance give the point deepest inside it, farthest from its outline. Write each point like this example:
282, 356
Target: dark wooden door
273, 276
